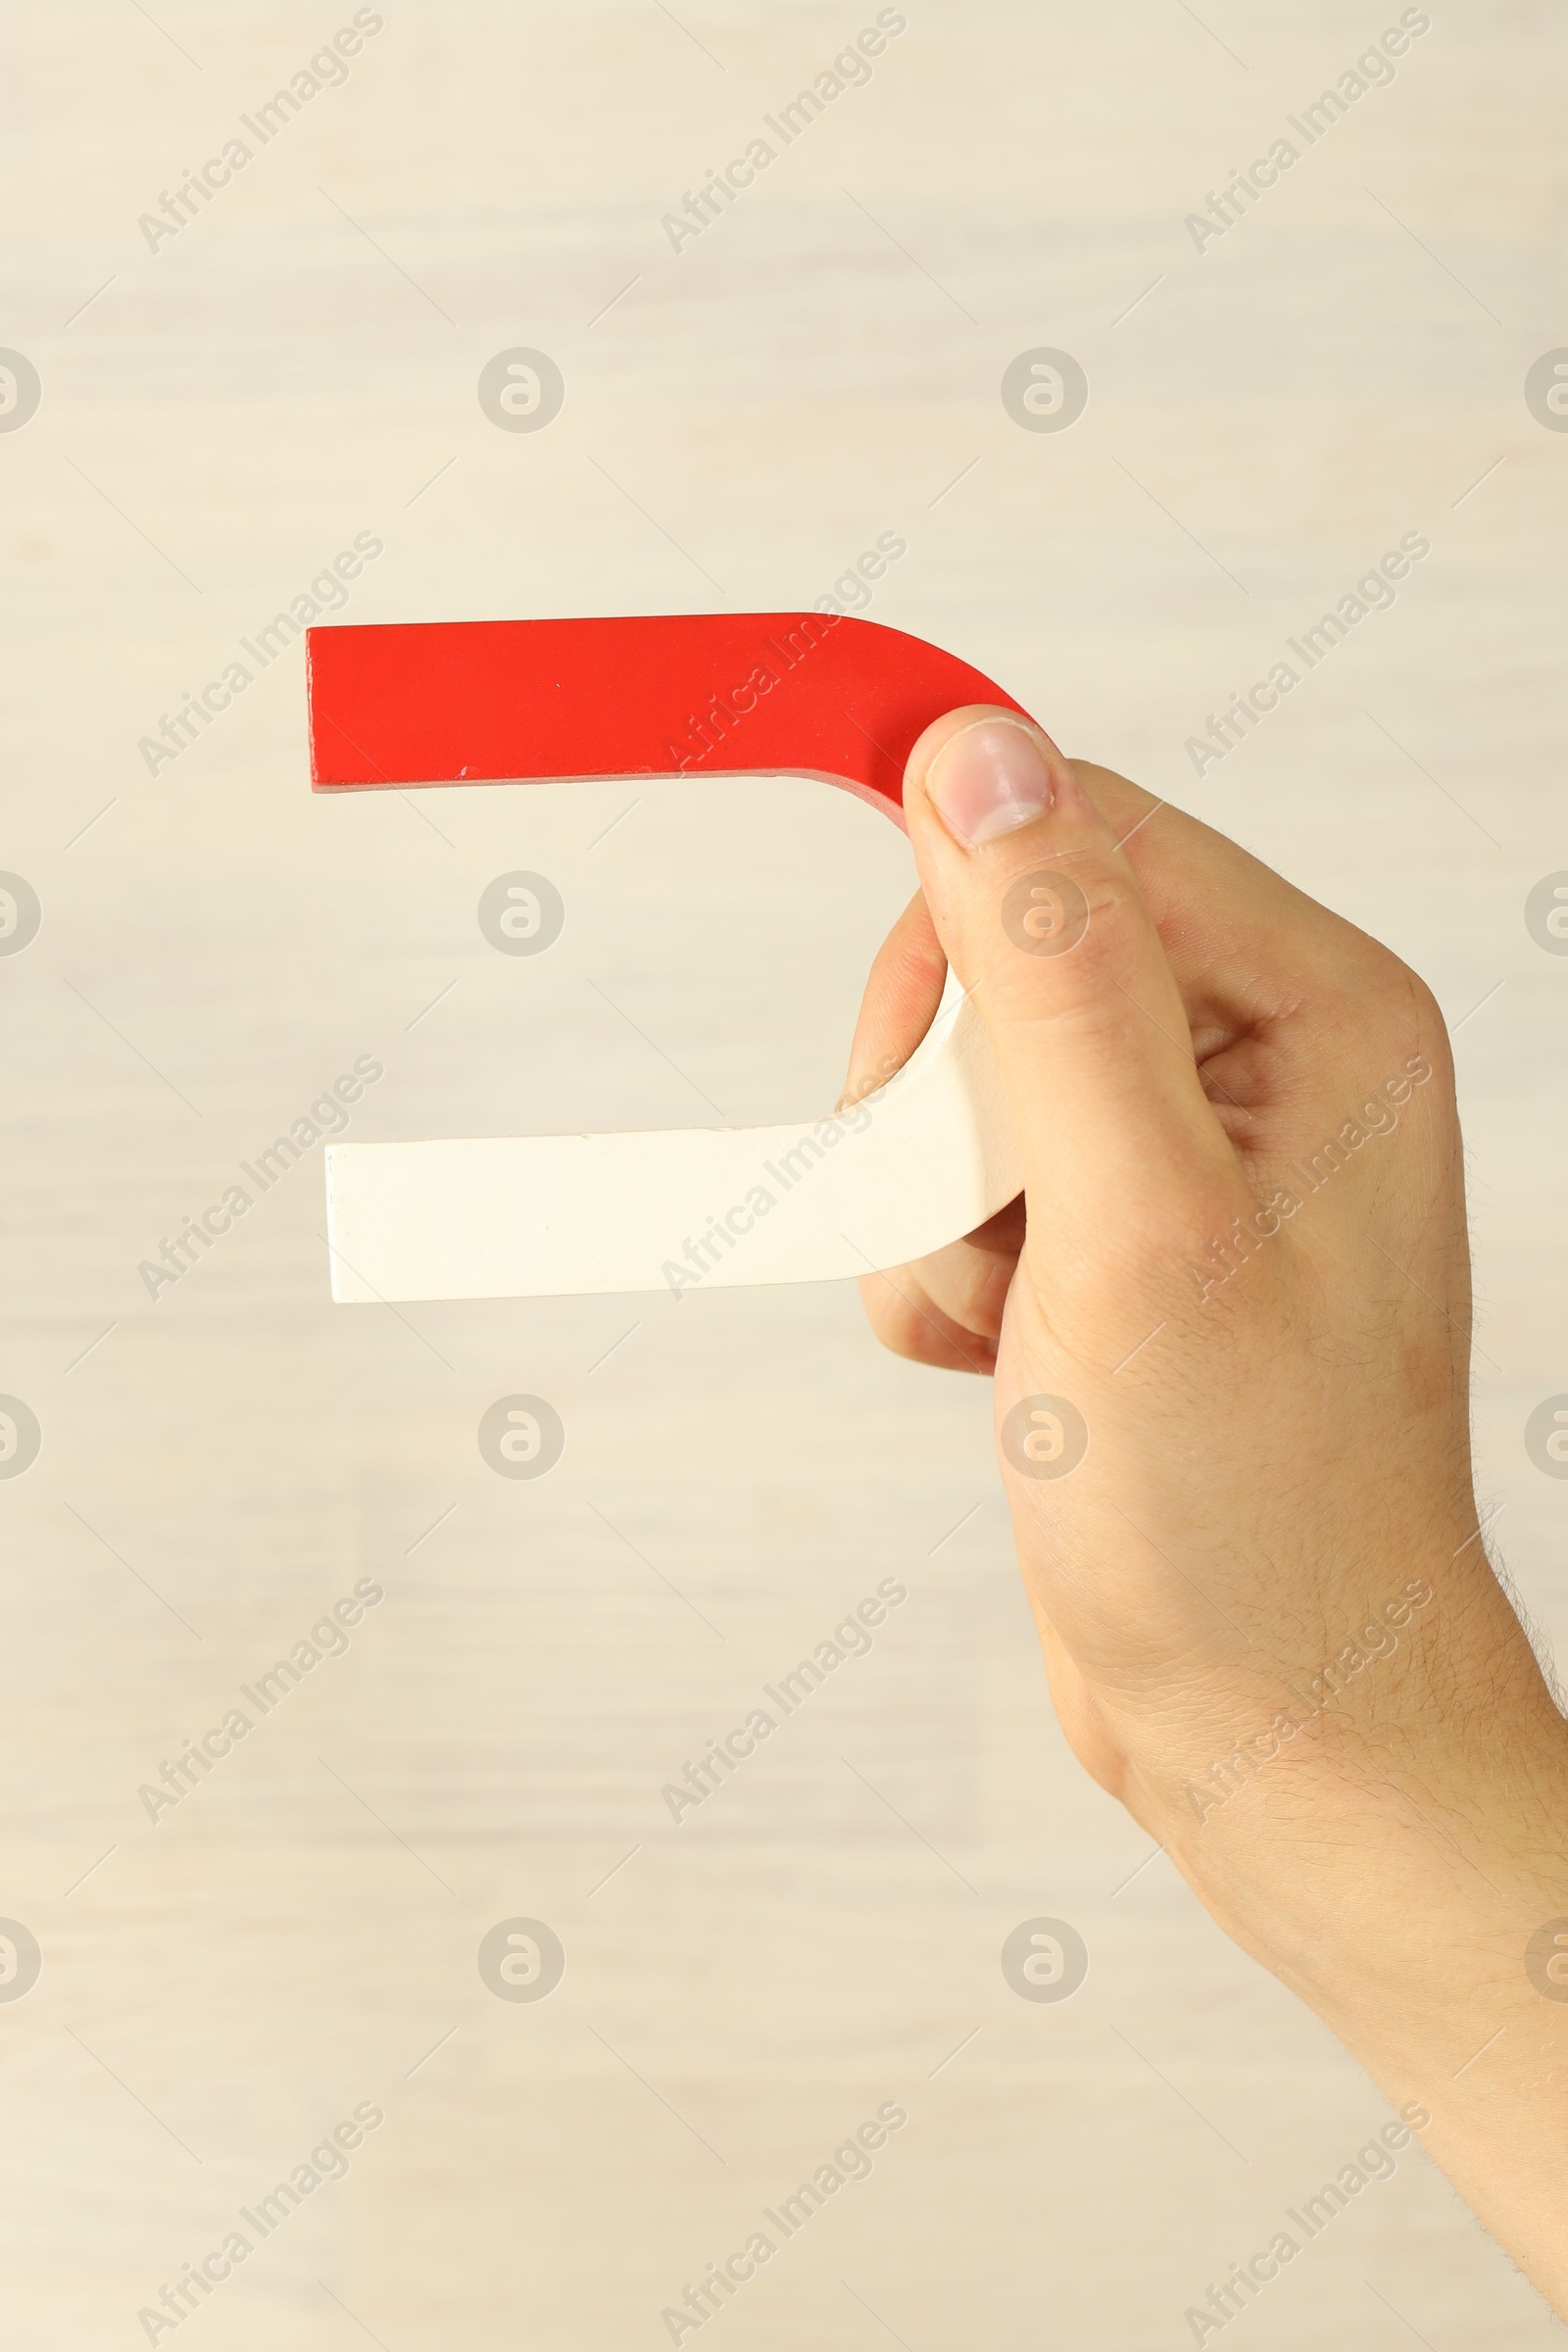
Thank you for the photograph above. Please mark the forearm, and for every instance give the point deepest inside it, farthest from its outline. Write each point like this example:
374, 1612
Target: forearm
1410, 1889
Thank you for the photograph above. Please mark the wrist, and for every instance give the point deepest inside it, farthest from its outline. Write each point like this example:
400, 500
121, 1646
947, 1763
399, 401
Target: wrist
1431, 1818
1421, 1909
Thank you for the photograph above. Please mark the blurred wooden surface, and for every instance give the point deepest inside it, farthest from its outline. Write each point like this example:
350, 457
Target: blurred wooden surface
219, 418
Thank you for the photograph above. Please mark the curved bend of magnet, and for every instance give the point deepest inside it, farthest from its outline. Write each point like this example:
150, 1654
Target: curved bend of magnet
904, 1172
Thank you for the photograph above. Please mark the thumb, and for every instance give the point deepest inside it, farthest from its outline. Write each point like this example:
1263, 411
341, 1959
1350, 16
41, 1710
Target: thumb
1042, 918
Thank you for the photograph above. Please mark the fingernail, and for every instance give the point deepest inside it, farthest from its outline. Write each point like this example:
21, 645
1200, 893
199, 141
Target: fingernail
988, 780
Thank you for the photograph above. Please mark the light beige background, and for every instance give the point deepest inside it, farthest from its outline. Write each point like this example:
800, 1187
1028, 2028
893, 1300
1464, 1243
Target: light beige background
225, 414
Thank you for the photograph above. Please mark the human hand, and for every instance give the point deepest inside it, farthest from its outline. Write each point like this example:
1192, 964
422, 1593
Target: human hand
1228, 1324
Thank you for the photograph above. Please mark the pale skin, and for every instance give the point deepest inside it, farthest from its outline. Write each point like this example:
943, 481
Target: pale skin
1277, 1416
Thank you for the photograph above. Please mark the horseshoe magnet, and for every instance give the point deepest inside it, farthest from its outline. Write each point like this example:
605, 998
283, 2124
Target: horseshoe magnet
913, 1167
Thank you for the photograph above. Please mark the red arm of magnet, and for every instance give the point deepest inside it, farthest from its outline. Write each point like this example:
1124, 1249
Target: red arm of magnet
475, 702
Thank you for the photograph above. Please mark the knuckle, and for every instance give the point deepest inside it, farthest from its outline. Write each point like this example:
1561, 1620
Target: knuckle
1074, 913
1401, 1015
893, 1320
1113, 898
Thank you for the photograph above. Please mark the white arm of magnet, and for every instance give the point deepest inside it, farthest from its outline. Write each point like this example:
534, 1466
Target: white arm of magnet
915, 1166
